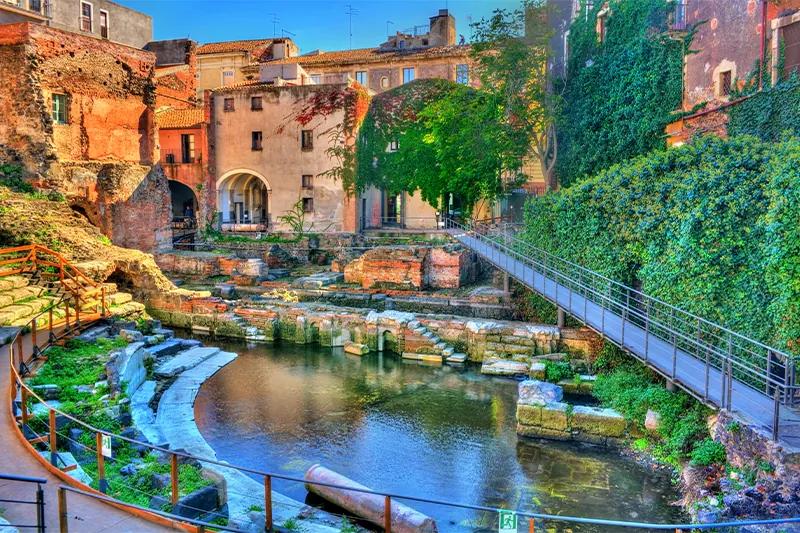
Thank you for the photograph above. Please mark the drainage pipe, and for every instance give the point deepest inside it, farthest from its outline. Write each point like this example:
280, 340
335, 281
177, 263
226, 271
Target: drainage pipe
370, 507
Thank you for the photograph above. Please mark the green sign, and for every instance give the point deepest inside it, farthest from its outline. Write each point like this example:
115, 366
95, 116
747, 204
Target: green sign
508, 521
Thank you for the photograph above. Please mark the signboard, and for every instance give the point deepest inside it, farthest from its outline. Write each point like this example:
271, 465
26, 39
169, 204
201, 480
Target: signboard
508, 522
106, 448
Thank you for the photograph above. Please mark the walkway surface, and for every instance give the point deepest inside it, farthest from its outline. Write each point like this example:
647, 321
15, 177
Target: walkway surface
86, 514
690, 372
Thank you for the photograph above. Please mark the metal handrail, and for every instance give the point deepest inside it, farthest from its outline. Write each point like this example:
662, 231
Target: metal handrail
269, 476
722, 348
40, 524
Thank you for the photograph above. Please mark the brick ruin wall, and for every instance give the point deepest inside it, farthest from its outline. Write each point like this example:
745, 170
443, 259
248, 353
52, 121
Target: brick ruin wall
102, 158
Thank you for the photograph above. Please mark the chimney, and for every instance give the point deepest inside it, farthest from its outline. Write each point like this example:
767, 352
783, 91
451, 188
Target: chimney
443, 29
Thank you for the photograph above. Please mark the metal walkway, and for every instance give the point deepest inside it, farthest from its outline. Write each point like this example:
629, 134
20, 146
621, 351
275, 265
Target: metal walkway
716, 365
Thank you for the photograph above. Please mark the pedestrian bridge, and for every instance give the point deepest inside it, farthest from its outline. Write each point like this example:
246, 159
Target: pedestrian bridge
716, 365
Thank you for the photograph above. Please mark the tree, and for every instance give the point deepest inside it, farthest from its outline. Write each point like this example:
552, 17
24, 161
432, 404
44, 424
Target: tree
511, 54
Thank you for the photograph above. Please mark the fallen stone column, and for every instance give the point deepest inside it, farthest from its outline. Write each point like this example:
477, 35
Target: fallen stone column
367, 506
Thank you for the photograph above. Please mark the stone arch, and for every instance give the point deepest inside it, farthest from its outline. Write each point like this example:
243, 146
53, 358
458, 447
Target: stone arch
183, 198
244, 197
87, 210
124, 281
387, 341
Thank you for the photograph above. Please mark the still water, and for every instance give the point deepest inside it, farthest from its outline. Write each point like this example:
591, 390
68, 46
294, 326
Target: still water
403, 427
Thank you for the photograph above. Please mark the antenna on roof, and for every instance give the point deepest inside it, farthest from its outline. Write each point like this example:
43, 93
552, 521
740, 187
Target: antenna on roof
275, 21
387, 26
351, 11
284, 32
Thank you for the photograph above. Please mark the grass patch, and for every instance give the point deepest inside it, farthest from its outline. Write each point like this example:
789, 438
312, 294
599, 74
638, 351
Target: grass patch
76, 363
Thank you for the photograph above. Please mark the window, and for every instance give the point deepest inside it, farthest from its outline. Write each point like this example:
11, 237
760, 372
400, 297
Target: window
725, 83
601, 28
384, 82
228, 105
187, 148
394, 146
227, 78
308, 205
86, 16
307, 139
308, 181
408, 75
361, 77
257, 137
60, 108
402, 44
317, 79
256, 103
104, 24
462, 74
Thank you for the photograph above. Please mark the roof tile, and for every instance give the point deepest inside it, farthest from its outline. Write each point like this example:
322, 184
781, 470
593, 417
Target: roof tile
371, 54
232, 46
179, 118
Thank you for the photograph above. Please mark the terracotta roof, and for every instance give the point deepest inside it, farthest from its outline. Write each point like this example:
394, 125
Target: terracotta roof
362, 55
244, 84
172, 119
232, 46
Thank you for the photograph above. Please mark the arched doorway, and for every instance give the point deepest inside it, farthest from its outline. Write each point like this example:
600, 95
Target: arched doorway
184, 204
243, 197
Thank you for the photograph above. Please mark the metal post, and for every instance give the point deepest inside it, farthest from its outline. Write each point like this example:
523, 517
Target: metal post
103, 301
776, 415
723, 386
53, 441
174, 472
50, 320
730, 384
603, 316
646, 329
562, 318
708, 373
387, 514
33, 335
624, 319
674, 342
40, 519
268, 501
63, 522
101, 465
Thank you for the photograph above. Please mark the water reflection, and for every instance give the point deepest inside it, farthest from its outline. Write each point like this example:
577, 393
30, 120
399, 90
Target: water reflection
404, 427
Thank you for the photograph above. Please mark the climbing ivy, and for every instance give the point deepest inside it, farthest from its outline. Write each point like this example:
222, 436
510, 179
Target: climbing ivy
450, 138
769, 113
710, 227
620, 94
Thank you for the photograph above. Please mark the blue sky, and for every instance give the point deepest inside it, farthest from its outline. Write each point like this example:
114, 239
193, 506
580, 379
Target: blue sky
316, 23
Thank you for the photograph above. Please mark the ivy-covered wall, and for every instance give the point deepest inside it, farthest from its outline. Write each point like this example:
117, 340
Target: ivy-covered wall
620, 94
710, 227
770, 113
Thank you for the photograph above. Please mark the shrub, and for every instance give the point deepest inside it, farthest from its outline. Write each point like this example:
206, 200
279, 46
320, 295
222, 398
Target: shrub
708, 452
556, 371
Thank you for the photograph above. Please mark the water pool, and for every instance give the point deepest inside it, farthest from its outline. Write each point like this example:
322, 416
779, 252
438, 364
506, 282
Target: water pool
398, 426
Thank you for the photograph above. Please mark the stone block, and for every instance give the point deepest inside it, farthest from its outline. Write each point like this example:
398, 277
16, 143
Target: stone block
529, 415
539, 392
598, 421
198, 503
554, 416
652, 420
538, 371
504, 367
356, 348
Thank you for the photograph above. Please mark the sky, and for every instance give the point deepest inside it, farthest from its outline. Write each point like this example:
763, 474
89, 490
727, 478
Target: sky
316, 24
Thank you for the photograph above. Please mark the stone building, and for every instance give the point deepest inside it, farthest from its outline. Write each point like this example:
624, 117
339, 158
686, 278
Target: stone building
270, 151
402, 58
183, 139
176, 73
98, 18
78, 114
230, 63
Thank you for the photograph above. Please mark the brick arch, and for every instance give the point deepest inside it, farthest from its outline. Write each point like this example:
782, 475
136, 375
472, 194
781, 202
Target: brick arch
87, 210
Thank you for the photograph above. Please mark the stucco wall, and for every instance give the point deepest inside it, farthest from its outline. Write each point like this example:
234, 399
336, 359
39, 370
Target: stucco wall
282, 162
126, 26
211, 66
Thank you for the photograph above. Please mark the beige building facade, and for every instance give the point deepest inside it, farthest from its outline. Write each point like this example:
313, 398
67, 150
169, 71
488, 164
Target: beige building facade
270, 155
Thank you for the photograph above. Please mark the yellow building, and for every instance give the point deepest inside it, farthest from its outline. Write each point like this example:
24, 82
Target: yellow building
224, 64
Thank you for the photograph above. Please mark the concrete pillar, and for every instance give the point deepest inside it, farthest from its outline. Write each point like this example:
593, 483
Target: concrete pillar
506, 283
671, 386
562, 317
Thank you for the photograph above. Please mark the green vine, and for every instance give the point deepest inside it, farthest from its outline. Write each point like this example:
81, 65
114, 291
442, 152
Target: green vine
620, 94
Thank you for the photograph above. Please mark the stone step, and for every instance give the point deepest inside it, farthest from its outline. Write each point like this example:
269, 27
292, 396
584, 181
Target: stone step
457, 358
414, 324
168, 347
427, 334
440, 346
8, 283
119, 298
436, 340
14, 296
419, 330
185, 361
448, 351
427, 357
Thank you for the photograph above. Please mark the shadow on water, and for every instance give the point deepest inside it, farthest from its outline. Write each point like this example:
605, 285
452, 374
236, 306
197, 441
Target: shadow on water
432, 431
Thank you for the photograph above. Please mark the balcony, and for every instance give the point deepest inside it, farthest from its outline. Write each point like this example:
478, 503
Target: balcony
37, 8
177, 157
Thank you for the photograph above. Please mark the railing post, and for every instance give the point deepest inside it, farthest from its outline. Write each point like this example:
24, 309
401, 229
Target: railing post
20, 353
24, 406
33, 335
77, 309
708, 373
776, 415
53, 439
40, 518
63, 521
268, 502
174, 472
723, 386
646, 328
101, 464
50, 320
103, 301
730, 384
387, 514
66, 311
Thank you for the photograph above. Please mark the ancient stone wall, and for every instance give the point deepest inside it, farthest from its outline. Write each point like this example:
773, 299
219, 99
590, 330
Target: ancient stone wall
419, 267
